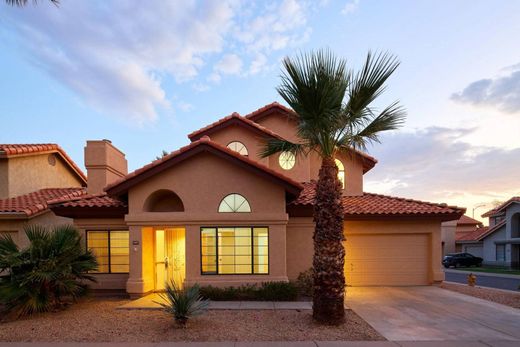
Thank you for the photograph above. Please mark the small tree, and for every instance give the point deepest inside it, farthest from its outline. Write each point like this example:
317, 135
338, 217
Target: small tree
39, 277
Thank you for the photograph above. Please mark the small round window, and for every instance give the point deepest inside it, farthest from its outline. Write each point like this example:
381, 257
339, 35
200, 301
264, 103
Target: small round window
238, 147
287, 160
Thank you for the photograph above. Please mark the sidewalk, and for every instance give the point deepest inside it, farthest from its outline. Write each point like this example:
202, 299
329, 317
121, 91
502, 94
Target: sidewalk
275, 344
479, 273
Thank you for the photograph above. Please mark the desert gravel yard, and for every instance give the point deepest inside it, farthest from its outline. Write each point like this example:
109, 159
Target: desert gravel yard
98, 320
499, 296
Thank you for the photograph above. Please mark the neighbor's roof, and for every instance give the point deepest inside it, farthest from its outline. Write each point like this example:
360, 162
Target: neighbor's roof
14, 150
35, 202
502, 207
479, 233
466, 220
203, 145
233, 118
377, 205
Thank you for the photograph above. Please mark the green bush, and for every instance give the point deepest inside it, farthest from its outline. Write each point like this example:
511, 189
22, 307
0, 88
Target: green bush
267, 291
183, 303
42, 276
305, 283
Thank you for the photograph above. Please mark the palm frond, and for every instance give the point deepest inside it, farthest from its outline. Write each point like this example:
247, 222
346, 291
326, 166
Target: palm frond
21, 3
274, 146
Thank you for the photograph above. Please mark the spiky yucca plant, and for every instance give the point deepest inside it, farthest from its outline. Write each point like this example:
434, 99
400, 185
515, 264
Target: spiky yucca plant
40, 277
183, 303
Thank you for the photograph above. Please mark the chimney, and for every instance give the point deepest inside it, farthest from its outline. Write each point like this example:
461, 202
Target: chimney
105, 164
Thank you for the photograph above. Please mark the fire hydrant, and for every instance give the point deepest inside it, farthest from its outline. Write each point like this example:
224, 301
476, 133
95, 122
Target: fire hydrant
472, 280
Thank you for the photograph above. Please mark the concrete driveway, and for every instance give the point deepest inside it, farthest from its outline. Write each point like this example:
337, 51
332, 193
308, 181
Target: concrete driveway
432, 313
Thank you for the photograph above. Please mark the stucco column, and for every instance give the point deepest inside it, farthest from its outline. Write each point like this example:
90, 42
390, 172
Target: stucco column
192, 253
436, 252
140, 280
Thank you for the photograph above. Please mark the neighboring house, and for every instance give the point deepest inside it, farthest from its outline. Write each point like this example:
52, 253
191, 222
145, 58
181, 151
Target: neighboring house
30, 175
456, 230
215, 213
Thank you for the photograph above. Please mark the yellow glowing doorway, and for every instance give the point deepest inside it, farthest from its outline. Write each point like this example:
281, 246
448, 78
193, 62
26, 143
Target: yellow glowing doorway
170, 256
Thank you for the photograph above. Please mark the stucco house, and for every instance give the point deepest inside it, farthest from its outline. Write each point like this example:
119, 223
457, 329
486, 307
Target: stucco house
498, 244
30, 175
455, 231
215, 212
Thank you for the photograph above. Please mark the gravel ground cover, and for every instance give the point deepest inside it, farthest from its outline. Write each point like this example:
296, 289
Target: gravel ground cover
98, 320
499, 296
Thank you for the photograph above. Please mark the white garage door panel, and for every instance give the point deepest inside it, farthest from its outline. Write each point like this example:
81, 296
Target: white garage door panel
387, 259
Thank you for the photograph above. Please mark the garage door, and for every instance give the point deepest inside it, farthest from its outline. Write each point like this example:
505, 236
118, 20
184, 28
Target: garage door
387, 260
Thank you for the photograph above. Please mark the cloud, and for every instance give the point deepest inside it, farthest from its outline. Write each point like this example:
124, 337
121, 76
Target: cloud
437, 164
230, 64
350, 7
115, 54
501, 92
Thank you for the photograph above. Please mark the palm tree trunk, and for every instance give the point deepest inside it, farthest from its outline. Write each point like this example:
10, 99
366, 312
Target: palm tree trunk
329, 253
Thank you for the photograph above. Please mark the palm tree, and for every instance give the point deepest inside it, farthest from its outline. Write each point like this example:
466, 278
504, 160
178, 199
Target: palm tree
39, 277
21, 3
335, 114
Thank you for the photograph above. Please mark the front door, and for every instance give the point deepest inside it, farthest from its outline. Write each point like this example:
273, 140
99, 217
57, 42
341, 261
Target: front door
170, 257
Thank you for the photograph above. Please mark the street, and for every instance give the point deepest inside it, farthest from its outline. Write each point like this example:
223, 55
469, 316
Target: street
500, 281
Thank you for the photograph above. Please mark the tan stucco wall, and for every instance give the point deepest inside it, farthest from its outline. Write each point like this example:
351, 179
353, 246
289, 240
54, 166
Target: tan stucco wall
30, 173
4, 179
105, 164
300, 244
448, 236
16, 225
201, 195
253, 141
282, 125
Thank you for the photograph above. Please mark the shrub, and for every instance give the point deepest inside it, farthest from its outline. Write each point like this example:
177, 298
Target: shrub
38, 278
183, 303
305, 283
267, 291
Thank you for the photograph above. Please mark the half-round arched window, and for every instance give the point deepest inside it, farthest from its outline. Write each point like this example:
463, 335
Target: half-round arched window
163, 200
341, 172
238, 147
234, 203
287, 160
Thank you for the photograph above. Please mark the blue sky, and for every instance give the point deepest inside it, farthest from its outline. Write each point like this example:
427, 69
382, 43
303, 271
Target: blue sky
144, 77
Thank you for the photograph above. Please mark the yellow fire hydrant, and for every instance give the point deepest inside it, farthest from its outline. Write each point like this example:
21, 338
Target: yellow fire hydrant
472, 280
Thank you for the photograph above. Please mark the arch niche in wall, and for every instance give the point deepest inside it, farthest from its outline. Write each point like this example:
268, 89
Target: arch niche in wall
163, 200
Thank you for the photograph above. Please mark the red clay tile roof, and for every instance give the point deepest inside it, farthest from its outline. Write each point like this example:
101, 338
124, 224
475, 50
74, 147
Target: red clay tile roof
474, 235
35, 202
370, 204
270, 108
87, 200
501, 207
12, 150
237, 119
203, 144
466, 220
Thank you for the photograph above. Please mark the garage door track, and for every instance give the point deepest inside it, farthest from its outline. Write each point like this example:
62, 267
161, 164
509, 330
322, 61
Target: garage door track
432, 313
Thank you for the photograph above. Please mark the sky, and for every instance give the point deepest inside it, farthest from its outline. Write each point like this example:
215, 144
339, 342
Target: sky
146, 76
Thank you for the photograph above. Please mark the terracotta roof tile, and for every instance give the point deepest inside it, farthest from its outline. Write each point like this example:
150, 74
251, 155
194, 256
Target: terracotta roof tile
232, 117
466, 220
35, 202
87, 200
11, 150
268, 107
474, 235
370, 204
204, 141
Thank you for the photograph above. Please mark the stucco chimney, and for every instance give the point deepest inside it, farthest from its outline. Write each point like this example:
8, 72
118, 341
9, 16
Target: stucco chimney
105, 164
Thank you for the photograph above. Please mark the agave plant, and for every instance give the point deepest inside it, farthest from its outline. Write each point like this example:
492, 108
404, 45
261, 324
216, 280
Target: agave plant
183, 303
39, 278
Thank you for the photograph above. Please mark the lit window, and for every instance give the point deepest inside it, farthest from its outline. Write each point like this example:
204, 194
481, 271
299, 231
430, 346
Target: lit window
341, 173
238, 147
234, 203
111, 249
234, 250
286, 160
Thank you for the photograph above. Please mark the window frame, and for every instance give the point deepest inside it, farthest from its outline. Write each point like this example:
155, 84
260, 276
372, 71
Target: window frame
109, 264
222, 200
251, 227
240, 142
287, 154
504, 253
